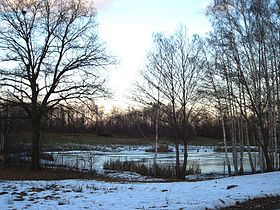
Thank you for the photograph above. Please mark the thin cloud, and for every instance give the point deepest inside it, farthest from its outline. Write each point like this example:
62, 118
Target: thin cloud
103, 4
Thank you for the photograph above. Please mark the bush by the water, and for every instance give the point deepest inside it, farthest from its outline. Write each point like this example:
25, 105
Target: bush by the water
238, 148
166, 171
161, 148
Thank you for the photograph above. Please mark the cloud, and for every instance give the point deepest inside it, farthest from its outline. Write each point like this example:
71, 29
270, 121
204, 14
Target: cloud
206, 3
103, 4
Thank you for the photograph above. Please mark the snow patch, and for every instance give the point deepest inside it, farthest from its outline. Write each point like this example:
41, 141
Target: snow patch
88, 194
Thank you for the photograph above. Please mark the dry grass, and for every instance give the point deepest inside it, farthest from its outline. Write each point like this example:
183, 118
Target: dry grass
53, 174
80, 138
93, 139
270, 202
44, 174
158, 171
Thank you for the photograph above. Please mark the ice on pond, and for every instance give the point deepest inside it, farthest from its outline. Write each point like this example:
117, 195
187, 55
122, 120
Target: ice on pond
205, 156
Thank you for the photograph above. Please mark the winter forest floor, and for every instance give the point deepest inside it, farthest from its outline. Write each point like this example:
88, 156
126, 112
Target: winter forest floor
230, 191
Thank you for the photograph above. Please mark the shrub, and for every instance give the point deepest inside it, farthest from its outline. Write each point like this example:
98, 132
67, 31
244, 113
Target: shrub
194, 168
78, 188
161, 148
63, 202
166, 171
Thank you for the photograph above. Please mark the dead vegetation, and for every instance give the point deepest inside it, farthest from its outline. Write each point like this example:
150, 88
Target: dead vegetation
269, 202
44, 174
165, 171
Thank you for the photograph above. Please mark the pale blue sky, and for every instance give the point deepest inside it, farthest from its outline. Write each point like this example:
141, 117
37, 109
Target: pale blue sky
127, 27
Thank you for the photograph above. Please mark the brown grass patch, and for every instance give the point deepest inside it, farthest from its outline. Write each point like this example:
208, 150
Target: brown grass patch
269, 202
44, 174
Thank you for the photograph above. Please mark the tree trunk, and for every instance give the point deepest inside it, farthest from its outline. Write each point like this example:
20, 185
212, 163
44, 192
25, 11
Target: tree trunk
264, 143
4, 138
249, 147
177, 160
234, 146
35, 153
225, 143
185, 159
276, 159
277, 120
241, 140
268, 162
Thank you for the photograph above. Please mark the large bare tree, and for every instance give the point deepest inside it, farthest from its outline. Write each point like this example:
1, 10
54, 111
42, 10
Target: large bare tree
50, 54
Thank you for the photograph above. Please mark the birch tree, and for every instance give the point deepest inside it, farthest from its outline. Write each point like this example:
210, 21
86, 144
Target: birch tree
248, 35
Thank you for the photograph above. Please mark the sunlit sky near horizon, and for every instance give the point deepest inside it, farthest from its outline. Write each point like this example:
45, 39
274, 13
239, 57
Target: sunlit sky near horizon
127, 27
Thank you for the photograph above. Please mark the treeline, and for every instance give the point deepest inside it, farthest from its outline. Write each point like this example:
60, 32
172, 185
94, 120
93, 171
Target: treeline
15, 126
139, 123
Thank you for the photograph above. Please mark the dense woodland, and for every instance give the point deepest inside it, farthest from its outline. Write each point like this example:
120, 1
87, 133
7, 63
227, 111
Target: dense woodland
224, 85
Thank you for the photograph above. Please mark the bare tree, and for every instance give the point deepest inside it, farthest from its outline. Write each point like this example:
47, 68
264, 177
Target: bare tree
50, 55
171, 80
247, 34
214, 91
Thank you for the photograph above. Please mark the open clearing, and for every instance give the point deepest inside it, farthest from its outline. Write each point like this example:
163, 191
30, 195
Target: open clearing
90, 194
87, 138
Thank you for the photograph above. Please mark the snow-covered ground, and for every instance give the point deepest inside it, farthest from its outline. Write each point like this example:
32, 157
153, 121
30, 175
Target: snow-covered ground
85, 194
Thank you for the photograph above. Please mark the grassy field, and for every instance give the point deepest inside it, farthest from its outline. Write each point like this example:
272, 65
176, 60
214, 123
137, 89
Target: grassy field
205, 141
92, 139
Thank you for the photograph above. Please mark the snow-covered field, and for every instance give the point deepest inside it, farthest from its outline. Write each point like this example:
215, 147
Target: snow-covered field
85, 194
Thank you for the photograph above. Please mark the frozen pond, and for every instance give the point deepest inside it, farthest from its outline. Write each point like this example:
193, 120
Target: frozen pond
205, 156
